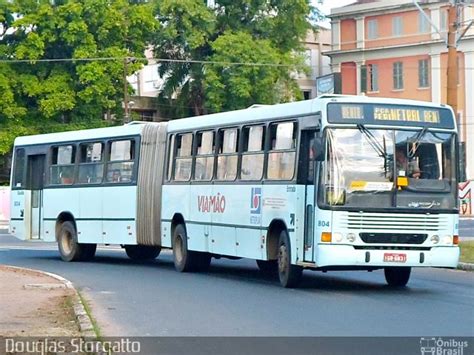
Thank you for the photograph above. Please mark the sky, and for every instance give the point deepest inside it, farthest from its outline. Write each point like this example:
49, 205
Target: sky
328, 4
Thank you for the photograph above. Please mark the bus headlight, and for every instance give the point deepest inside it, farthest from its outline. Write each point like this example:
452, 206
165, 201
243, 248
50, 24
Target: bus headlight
435, 239
351, 237
447, 239
337, 237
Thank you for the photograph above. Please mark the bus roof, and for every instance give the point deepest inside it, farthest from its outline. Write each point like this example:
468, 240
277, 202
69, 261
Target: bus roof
252, 114
86, 134
292, 109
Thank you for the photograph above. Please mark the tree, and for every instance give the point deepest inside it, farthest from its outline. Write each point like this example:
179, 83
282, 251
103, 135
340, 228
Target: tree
59, 85
242, 31
236, 86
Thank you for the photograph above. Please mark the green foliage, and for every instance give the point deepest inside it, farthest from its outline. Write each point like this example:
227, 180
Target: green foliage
230, 87
42, 96
242, 31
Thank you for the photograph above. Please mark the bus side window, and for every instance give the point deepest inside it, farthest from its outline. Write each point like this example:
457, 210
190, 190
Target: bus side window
183, 161
282, 155
91, 165
121, 161
204, 168
19, 168
62, 165
171, 153
252, 153
228, 154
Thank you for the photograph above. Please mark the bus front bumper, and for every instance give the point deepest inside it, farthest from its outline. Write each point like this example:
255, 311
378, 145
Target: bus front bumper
347, 255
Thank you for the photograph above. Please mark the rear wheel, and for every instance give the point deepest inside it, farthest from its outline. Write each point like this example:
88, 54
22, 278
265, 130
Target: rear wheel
289, 275
397, 276
69, 248
142, 252
184, 259
268, 266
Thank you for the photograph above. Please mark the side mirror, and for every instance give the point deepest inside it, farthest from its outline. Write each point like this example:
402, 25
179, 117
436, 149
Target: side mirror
319, 149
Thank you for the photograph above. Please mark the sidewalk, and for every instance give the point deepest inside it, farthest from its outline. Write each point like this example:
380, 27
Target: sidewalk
35, 304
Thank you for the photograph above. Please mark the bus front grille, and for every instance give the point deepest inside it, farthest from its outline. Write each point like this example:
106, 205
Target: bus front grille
393, 238
391, 222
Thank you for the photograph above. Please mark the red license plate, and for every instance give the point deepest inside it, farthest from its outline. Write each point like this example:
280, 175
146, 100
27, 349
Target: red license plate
394, 258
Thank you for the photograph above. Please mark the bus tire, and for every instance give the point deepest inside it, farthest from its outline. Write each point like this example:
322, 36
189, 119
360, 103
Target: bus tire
289, 275
69, 248
397, 276
88, 251
142, 252
184, 260
268, 266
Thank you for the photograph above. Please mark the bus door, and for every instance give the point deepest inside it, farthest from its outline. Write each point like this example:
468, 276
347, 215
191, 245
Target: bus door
308, 168
35, 172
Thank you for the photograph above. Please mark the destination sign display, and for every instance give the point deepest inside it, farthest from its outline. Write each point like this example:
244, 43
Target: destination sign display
390, 115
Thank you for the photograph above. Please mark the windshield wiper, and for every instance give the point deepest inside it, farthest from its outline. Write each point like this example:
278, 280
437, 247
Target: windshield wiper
374, 143
416, 142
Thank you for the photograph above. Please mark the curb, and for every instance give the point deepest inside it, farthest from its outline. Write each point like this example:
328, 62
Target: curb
85, 323
466, 266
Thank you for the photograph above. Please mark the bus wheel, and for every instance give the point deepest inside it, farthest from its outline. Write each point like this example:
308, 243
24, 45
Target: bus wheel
184, 259
289, 274
88, 251
142, 252
268, 266
397, 276
69, 248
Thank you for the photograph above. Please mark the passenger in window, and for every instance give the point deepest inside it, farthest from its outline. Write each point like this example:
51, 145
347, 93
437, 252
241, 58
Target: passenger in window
116, 176
66, 177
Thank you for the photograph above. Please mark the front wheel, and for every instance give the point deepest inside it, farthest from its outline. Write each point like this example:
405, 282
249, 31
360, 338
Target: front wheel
289, 275
397, 276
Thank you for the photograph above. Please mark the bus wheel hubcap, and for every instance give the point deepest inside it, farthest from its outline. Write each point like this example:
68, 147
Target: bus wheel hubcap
179, 249
66, 242
282, 259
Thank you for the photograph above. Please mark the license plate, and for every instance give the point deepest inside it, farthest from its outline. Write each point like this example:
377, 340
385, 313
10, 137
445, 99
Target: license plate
394, 258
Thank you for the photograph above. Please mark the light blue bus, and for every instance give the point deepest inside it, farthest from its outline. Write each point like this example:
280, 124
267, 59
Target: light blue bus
334, 183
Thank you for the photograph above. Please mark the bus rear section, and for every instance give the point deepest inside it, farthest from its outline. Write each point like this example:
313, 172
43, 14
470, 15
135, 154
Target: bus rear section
90, 187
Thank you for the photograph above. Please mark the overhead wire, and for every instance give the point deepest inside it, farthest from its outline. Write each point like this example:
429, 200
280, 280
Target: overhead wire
187, 61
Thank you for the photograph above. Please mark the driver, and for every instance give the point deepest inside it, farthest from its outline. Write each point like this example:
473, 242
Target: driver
403, 164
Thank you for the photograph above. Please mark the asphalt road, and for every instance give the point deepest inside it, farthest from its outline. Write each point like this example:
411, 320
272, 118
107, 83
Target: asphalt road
466, 228
235, 299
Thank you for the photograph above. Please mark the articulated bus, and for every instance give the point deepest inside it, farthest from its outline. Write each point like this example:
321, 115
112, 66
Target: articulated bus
333, 183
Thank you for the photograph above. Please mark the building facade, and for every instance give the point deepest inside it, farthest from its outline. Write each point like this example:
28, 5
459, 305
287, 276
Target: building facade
316, 44
389, 48
147, 84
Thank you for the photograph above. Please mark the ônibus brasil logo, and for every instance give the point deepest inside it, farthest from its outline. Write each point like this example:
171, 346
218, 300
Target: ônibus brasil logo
440, 346
256, 200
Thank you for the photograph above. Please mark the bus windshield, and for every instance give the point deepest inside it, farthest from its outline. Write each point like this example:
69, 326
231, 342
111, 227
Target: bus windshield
389, 168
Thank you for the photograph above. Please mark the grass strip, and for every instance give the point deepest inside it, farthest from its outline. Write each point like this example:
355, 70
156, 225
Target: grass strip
467, 251
87, 308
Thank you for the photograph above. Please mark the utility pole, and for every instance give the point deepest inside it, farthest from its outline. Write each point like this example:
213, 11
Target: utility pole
452, 41
126, 117
452, 97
